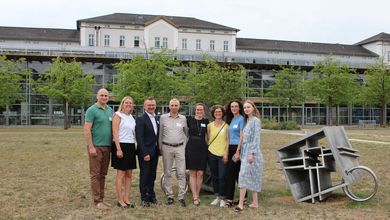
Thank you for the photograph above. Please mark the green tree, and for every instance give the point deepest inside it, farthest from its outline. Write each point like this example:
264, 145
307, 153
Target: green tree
333, 84
288, 88
142, 77
216, 84
377, 91
66, 82
12, 74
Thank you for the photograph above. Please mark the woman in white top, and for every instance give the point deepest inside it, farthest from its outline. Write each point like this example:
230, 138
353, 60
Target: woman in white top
124, 152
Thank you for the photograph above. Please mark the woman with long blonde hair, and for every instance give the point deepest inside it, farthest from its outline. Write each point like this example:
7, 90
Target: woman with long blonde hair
251, 170
123, 150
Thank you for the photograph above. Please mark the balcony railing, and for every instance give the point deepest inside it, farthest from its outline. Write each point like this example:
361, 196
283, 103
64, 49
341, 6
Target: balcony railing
185, 55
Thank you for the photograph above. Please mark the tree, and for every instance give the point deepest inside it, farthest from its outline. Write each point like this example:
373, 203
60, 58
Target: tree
11, 76
216, 84
66, 82
333, 84
288, 88
377, 91
142, 77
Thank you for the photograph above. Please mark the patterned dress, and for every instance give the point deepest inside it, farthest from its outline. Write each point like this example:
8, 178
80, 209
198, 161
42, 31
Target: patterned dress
250, 176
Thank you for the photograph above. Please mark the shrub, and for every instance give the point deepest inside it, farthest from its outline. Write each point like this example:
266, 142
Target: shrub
272, 124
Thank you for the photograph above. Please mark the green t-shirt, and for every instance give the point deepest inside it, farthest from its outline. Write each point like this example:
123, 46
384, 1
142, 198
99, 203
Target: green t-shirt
101, 120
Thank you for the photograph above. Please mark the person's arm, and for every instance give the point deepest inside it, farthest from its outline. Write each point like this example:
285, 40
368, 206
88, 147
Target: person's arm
185, 129
116, 120
237, 154
208, 135
225, 156
256, 141
161, 132
88, 137
139, 135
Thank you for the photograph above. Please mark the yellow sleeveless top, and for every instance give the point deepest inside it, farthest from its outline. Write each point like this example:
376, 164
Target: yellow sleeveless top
218, 146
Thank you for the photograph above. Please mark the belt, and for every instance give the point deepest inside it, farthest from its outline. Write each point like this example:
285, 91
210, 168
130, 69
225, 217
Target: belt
172, 145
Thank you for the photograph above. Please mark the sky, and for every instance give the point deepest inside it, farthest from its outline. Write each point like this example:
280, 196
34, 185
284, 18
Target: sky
324, 21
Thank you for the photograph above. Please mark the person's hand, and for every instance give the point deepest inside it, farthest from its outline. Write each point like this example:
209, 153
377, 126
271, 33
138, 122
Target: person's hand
92, 151
147, 157
225, 159
119, 153
236, 156
250, 158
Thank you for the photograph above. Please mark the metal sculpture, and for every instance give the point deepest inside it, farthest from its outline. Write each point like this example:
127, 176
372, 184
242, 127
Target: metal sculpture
307, 166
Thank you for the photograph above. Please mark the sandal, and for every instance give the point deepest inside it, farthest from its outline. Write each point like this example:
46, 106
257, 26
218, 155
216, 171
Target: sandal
228, 204
237, 209
196, 202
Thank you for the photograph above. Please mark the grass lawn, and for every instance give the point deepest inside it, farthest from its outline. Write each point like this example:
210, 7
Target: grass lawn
44, 175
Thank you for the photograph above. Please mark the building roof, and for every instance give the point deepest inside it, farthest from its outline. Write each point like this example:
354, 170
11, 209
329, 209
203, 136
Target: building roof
379, 37
142, 20
302, 47
39, 34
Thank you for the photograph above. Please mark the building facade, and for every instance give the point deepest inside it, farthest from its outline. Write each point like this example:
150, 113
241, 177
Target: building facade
99, 42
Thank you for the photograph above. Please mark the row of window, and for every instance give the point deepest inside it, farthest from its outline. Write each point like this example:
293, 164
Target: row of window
198, 45
107, 40
157, 42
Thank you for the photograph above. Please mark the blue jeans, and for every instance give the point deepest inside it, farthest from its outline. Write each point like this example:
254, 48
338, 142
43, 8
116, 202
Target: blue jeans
217, 169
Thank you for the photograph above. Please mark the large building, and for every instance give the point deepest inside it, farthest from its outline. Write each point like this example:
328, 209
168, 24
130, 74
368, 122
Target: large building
99, 42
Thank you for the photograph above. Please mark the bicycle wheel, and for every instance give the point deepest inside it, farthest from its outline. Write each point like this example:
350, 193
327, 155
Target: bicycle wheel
173, 173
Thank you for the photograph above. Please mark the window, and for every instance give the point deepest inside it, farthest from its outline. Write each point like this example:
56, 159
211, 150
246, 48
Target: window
106, 40
184, 43
225, 45
121, 41
198, 44
136, 41
91, 40
212, 45
157, 42
165, 42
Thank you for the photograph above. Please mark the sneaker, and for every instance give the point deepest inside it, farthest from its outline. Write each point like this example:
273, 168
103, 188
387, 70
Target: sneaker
215, 201
101, 206
182, 203
222, 203
170, 201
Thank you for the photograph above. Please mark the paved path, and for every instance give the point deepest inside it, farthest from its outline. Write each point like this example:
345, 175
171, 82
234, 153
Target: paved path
350, 139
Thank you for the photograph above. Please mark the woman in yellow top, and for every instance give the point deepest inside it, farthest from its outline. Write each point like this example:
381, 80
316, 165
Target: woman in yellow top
218, 141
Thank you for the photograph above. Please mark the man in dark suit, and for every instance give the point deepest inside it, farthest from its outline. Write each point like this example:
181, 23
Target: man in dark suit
147, 129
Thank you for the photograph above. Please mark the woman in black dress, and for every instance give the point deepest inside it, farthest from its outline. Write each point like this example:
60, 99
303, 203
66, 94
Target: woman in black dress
196, 150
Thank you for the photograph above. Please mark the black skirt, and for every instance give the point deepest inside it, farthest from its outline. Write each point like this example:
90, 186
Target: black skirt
196, 153
128, 161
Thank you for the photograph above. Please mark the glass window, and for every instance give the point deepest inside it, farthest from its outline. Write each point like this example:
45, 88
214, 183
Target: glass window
121, 41
225, 45
91, 40
184, 44
106, 40
212, 45
136, 41
157, 42
198, 44
165, 42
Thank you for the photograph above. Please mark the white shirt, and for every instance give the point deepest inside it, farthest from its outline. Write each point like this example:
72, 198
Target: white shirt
154, 122
126, 128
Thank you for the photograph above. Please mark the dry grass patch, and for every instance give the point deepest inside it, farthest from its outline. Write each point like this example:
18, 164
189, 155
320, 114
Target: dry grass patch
44, 175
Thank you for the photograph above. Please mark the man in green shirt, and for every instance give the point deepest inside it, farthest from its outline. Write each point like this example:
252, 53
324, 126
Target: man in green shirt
97, 131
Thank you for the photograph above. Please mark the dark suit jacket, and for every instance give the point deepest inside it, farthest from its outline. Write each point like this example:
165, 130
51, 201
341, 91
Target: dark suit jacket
147, 140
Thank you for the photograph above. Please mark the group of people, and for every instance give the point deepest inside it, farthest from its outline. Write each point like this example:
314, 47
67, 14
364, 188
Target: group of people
230, 145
